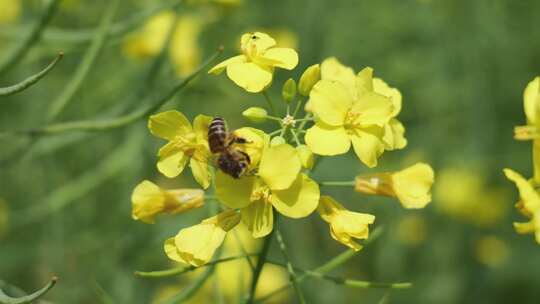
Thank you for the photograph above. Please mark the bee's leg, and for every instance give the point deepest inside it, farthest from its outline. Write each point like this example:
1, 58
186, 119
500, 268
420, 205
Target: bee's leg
247, 156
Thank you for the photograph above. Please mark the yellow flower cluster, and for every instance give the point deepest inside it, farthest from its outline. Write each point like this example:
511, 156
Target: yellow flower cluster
343, 109
529, 203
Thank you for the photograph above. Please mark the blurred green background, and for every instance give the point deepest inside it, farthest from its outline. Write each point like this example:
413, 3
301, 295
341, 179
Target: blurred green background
460, 65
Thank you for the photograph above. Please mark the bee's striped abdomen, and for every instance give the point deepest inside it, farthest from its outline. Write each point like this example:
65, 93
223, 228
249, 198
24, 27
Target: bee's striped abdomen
217, 135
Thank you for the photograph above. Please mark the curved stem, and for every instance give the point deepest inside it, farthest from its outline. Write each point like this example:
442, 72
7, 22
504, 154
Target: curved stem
116, 122
19, 51
86, 64
5, 299
28, 82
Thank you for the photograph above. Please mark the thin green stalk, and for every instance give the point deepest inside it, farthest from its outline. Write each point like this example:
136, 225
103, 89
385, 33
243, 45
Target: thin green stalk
189, 291
290, 269
18, 52
116, 122
346, 282
86, 64
339, 183
31, 80
181, 270
295, 137
261, 260
326, 267
5, 299
304, 122
276, 132
243, 250
269, 102
298, 105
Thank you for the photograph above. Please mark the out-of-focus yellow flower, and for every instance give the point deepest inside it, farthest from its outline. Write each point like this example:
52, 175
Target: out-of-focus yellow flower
491, 251
531, 131
347, 110
10, 10
185, 143
149, 200
412, 230
253, 70
461, 193
345, 225
411, 186
528, 205
4, 217
283, 187
184, 49
197, 244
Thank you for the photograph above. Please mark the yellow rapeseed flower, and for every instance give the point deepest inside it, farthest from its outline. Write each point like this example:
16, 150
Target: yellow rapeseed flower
149, 200
411, 186
528, 205
282, 187
347, 110
197, 244
11, 9
253, 70
531, 105
185, 143
345, 225
184, 49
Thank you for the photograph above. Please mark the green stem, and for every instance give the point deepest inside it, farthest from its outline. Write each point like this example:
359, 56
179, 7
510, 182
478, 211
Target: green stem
340, 183
258, 268
326, 267
116, 122
19, 51
86, 64
28, 82
5, 299
295, 137
304, 122
189, 291
298, 105
290, 268
269, 102
244, 251
181, 270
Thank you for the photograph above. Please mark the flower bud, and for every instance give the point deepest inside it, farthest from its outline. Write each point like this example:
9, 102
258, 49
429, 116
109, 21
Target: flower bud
255, 114
276, 141
289, 90
411, 186
306, 156
310, 77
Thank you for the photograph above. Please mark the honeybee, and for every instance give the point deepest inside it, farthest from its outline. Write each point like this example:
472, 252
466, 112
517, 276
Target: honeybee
231, 160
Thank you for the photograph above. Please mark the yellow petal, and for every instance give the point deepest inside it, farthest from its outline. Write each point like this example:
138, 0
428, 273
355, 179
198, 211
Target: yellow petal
531, 97
330, 102
394, 135
306, 156
373, 109
200, 172
197, 244
200, 126
169, 124
254, 44
279, 166
170, 250
333, 70
259, 218
412, 185
250, 76
368, 146
529, 197
234, 193
327, 140
299, 200
172, 162
364, 81
220, 67
256, 141
381, 87
147, 201
286, 58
